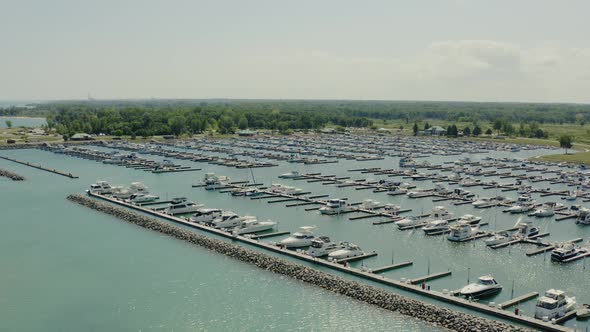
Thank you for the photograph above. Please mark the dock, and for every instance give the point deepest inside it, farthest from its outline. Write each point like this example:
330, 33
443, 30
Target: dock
357, 258
50, 170
518, 300
267, 235
430, 277
391, 267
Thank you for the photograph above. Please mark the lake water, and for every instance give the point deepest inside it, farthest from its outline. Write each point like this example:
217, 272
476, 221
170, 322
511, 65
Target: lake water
67, 267
22, 122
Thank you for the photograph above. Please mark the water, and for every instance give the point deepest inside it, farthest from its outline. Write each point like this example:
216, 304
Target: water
22, 122
65, 267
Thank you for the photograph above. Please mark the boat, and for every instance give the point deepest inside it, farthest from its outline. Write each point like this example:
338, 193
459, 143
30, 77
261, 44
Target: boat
524, 203
101, 188
229, 220
302, 238
583, 217
483, 201
205, 215
212, 181
545, 210
554, 304
583, 312
181, 205
370, 204
485, 286
125, 193
525, 229
462, 232
566, 251
397, 191
392, 209
253, 226
469, 219
499, 238
290, 175
409, 221
348, 251
335, 206
436, 226
322, 246
139, 198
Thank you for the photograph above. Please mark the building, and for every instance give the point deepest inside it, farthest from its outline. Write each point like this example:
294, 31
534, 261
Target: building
81, 137
247, 132
435, 131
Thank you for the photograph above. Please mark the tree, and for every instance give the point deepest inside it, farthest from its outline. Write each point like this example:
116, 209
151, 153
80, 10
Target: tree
489, 131
226, 125
476, 131
415, 129
498, 125
426, 125
466, 131
243, 122
8, 123
177, 124
565, 142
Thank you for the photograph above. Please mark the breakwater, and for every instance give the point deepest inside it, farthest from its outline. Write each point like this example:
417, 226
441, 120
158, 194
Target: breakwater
437, 315
11, 175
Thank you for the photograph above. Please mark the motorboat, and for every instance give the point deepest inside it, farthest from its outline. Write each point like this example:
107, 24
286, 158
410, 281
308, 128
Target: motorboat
139, 198
418, 193
583, 312
566, 251
280, 189
302, 238
101, 188
461, 232
554, 304
583, 217
469, 219
348, 251
335, 206
397, 191
436, 226
524, 203
182, 205
499, 238
125, 193
253, 226
229, 220
545, 210
205, 216
290, 175
392, 209
409, 221
212, 181
485, 286
525, 229
440, 212
322, 246
370, 204
483, 201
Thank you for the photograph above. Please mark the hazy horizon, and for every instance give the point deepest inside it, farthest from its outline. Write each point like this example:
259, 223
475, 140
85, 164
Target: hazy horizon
530, 51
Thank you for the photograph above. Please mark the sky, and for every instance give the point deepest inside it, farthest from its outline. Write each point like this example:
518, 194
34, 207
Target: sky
471, 50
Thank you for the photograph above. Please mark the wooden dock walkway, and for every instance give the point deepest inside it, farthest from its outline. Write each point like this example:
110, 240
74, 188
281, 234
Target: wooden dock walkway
518, 300
430, 277
391, 267
50, 170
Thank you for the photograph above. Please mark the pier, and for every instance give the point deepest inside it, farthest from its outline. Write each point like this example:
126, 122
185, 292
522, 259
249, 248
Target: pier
518, 300
50, 170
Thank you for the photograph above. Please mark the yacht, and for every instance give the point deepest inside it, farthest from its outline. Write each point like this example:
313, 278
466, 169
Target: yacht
290, 175
409, 221
554, 304
322, 246
461, 232
370, 204
392, 209
253, 226
545, 210
583, 217
182, 205
302, 238
524, 203
229, 220
525, 229
205, 215
335, 206
139, 198
469, 219
125, 193
212, 181
566, 251
583, 312
483, 201
499, 238
484, 286
101, 188
436, 226
349, 250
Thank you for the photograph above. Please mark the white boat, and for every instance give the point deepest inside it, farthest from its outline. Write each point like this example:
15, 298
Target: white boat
280, 189
182, 205
349, 250
469, 219
322, 246
253, 226
302, 238
205, 215
461, 232
229, 220
392, 209
435, 226
583, 217
524, 203
409, 221
370, 204
212, 181
525, 229
499, 238
290, 175
101, 188
335, 206
484, 286
483, 201
545, 210
125, 193
142, 198
554, 304
583, 312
